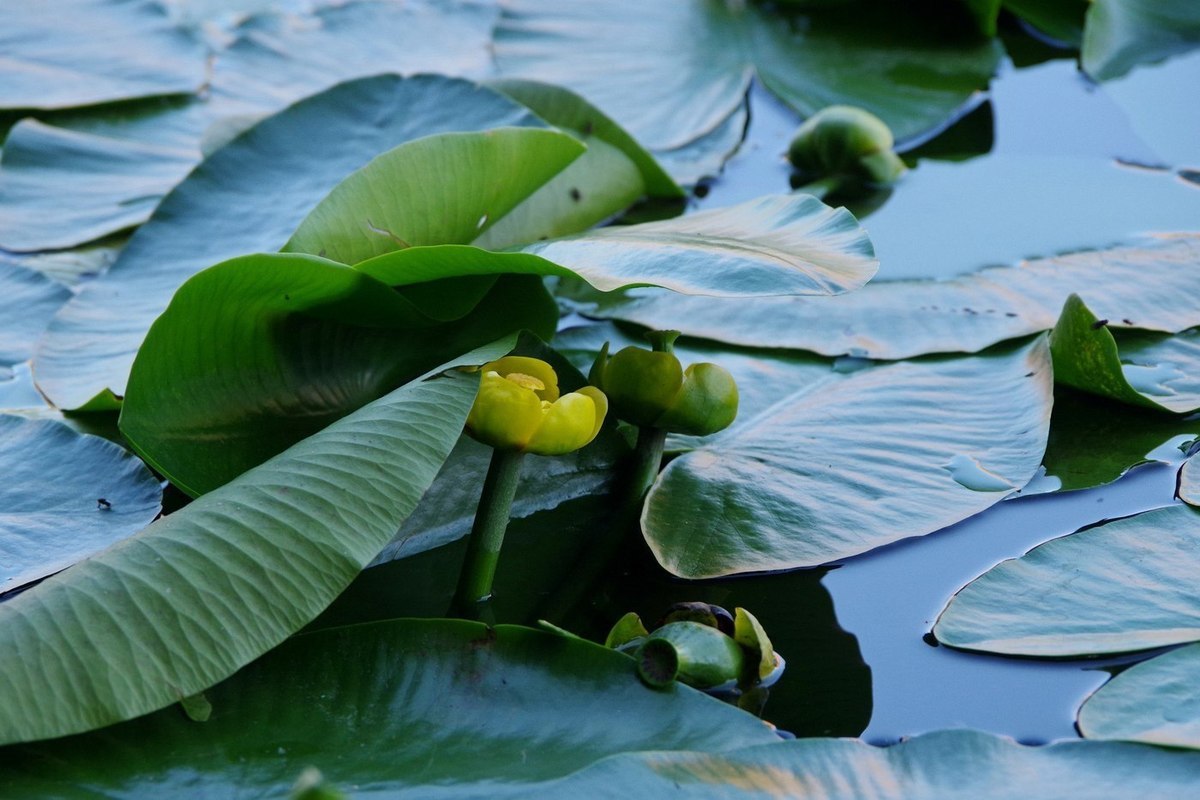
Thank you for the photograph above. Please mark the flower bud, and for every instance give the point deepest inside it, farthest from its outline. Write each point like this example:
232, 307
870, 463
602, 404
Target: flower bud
651, 389
848, 142
518, 407
690, 652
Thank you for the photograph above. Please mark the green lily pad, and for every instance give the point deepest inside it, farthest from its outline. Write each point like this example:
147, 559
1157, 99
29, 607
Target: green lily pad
704, 157
110, 50
101, 170
1094, 441
1161, 372
64, 497
957, 763
1154, 702
450, 708
1123, 586
668, 96
1147, 287
247, 197
259, 352
1059, 19
1120, 34
779, 244
29, 301
144, 624
885, 454
447, 189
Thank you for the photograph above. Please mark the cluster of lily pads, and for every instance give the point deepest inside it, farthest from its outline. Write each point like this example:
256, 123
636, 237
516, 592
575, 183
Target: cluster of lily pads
282, 273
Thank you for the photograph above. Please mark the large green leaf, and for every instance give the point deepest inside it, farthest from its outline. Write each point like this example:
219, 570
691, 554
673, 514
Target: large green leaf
1059, 19
826, 474
1161, 372
259, 352
64, 497
779, 244
667, 96
1120, 34
446, 189
197, 595
247, 197
1154, 702
935, 766
83, 52
1123, 586
274, 59
1147, 287
449, 709
29, 301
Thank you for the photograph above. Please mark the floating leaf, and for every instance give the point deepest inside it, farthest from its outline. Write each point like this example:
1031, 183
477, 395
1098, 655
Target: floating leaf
29, 301
1120, 34
247, 197
1154, 702
670, 96
1147, 287
64, 497
1059, 19
1161, 373
111, 50
205, 590
882, 455
274, 60
1094, 441
1189, 482
779, 244
1123, 586
447, 189
704, 157
259, 352
1155, 100
958, 763
451, 708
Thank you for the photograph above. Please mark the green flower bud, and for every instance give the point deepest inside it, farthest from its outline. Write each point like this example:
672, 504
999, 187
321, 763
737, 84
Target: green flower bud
518, 407
848, 142
651, 389
690, 652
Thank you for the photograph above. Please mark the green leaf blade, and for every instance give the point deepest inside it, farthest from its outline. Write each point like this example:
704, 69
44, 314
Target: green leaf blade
1152, 702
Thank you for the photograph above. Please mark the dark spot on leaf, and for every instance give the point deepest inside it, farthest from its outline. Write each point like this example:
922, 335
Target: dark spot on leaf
1098, 324
576, 195
931, 640
1127, 321
102, 504
1009, 314
588, 128
287, 297
700, 190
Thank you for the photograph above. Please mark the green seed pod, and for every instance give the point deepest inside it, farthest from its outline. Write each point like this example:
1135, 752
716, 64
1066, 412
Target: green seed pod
690, 652
844, 141
651, 389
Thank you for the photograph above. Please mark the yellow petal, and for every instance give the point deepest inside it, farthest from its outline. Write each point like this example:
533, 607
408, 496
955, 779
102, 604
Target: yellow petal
528, 368
567, 425
505, 415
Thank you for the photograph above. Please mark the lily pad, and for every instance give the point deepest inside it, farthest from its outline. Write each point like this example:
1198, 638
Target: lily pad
143, 624
1188, 489
451, 708
274, 60
613, 54
111, 50
936, 765
1154, 97
1154, 702
1094, 441
1122, 586
1120, 34
1161, 372
29, 301
1146, 287
885, 454
64, 497
777, 244
1061, 20
259, 352
247, 197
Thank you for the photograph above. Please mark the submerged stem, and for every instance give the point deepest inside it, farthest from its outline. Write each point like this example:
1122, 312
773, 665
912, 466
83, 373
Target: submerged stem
487, 533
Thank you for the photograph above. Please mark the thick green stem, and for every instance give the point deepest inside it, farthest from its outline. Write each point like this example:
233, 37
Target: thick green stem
487, 533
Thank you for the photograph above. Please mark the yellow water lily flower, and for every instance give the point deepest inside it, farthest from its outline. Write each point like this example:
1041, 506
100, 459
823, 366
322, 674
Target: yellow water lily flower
519, 408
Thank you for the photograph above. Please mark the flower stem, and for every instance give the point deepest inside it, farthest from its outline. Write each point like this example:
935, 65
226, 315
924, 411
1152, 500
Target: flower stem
487, 533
